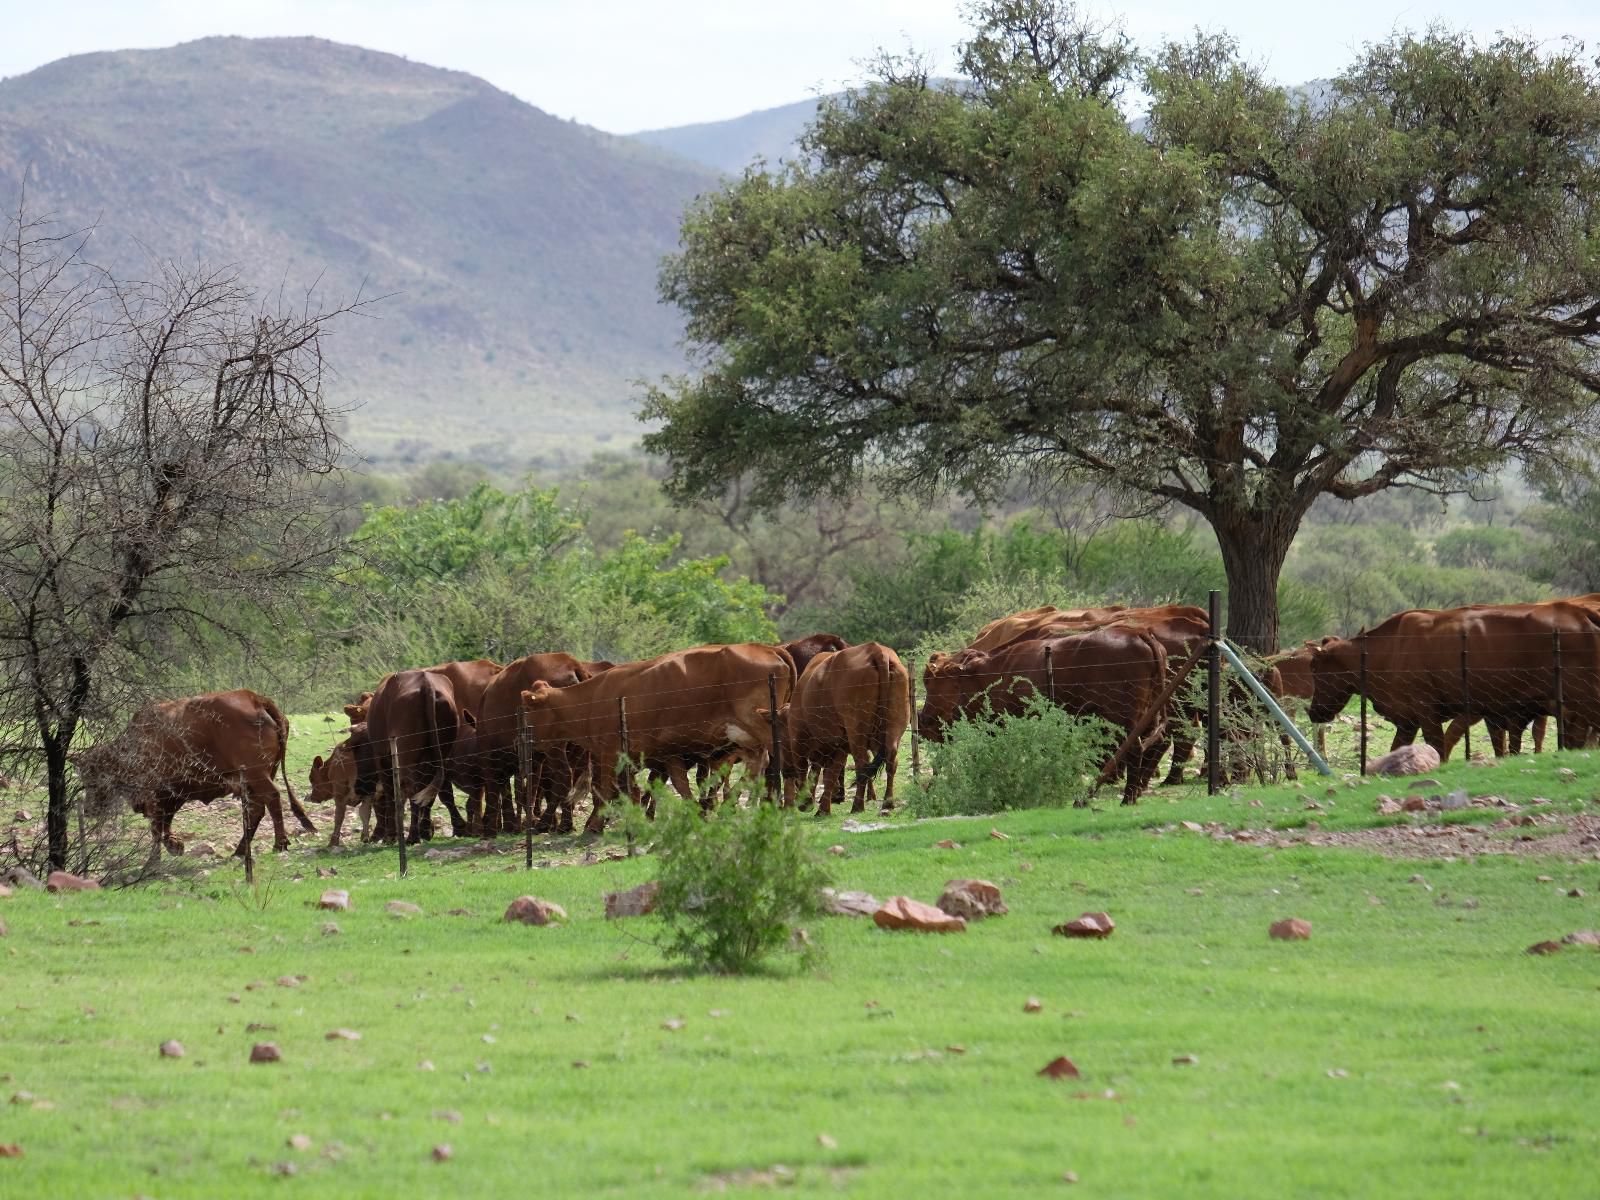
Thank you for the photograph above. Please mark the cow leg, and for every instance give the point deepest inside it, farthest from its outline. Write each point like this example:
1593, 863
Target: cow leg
254, 809
1433, 734
1149, 758
863, 781
1182, 748
1404, 735
1538, 733
678, 772
1289, 771
604, 791
341, 804
458, 823
832, 785
890, 766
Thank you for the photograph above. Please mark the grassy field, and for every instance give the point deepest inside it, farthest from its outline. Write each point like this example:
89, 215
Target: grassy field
1410, 1048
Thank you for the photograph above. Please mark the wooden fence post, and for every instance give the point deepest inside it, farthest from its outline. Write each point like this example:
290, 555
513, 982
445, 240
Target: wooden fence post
1214, 701
525, 773
249, 842
399, 802
911, 697
1049, 673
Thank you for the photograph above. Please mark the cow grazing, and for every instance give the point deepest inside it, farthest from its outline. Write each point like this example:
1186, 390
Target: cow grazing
851, 703
1116, 673
803, 650
413, 723
682, 708
497, 742
1416, 679
334, 780
1004, 630
196, 748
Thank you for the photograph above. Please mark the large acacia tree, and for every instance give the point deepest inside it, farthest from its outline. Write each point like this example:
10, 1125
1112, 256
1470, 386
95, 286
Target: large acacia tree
1257, 296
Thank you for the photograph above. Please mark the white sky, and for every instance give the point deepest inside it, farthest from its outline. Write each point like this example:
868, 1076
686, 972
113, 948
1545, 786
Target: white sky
625, 65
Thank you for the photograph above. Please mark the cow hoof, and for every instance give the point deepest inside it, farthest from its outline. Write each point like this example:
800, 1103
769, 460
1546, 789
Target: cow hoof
1175, 777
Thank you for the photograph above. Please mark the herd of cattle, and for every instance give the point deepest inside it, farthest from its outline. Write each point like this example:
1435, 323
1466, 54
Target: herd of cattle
523, 742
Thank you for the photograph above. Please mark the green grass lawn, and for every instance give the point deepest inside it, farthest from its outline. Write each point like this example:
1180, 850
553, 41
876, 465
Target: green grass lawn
1410, 1048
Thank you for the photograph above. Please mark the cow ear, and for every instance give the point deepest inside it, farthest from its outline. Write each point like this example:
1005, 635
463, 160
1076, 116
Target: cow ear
466, 715
316, 763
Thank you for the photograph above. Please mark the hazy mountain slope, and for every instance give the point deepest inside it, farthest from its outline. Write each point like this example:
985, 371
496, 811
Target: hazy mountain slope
519, 251
734, 144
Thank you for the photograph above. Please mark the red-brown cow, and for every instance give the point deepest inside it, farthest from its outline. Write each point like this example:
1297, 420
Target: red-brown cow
682, 708
1116, 673
196, 748
333, 780
803, 650
497, 741
413, 723
851, 703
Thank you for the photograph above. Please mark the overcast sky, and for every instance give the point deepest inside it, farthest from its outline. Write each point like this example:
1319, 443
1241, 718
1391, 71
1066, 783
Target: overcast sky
625, 65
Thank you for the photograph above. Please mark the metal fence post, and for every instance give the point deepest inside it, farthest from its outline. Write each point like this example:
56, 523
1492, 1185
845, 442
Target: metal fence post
775, 759
625, 766
1049, 673
525, 782
1214, 700
1466, 696
1561, 738
911, 697
249, 842
399, 802
1361, 684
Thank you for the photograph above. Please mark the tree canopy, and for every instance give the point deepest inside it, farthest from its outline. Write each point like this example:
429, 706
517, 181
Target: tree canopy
1256, 297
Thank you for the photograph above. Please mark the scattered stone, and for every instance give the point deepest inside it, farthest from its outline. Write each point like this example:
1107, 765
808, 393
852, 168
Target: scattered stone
330, 928
1060, 1068
290, 980
1032, 1005
448, 1115
171, 1049
1544, 879
530, 910
1413, 804
65, 881
1545, 948
955, 1049
1576, 893
327, 872
998, 836
1566, 773
1292, 929
635, 902
425, 1065
1455, 801
22, 815
335, 899
971, 899
5, 891
1089, 925
673, 1025
299, 1141
342, 1035
1185, 1060
203, 850
286, 1168
1388, 806
902, 912
443, 1153
1193, 826
1338, 1073
1583, 937
21, 877
836, 851
1416, 879
10, 1150
826, 1142
265, 1052
947, 844
260, 1027
460, 912
1196, 891
1069, 1177
402, 908
849, 904
1416, 759
579, 1064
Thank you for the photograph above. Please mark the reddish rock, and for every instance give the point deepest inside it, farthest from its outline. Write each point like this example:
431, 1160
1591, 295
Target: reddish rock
171, 1049
65, 881
443, 1152
1388, 806
1089, 925
635, 902
1292, 929
849, 904
1032, 1005
971, 899
1060, 1068
1413, 804
1416, 759
402, 908
530, 910
947, 844
902, 912
265, 1052
342, 1035
336, 899
1545, 948
10, 1150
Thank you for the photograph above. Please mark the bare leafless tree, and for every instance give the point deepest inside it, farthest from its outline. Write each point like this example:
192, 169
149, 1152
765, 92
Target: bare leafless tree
161, 441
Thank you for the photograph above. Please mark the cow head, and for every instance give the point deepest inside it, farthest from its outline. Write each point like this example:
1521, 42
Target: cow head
1335, 675
357, 712
333, 778
941, 686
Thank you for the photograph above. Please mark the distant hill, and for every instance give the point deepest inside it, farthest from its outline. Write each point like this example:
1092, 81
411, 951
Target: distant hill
732, 145
521, 250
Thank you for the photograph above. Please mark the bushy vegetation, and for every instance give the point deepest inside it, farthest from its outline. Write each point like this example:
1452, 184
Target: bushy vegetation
734, 884
1041, 758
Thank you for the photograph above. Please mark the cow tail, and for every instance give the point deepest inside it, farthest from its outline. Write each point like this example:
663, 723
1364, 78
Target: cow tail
880, 720
282, 723
430, 701
1158, 678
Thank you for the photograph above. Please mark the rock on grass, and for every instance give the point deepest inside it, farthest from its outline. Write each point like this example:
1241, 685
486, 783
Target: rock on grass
1089, 925
530, 910
971, 899
1291, 929
902, 912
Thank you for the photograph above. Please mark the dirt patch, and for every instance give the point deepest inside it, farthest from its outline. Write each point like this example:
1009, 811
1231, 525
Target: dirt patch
1570, 836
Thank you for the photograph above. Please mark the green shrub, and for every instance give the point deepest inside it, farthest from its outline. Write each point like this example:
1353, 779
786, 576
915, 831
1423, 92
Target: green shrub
733, 883
1042, 758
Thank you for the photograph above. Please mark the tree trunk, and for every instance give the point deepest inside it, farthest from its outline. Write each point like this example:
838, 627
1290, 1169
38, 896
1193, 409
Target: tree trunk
1252, 556
55, 818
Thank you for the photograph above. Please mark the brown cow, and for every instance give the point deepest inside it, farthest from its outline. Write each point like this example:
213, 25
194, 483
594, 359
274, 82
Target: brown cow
497, 740
196, 748
682, 707
1004, 630
416, 713
1416, 678
1116, 673
334, 780
803, 650
851, 703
